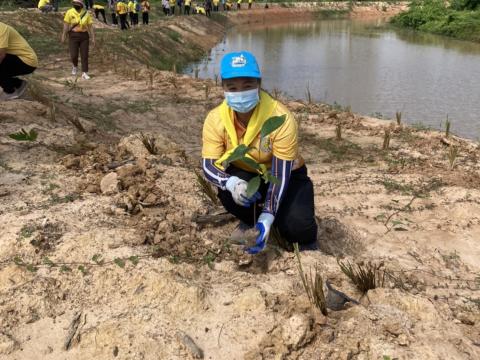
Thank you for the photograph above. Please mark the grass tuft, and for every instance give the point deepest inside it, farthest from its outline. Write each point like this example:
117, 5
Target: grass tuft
386, 140
149, 142
364, 276
207, 189
313, 284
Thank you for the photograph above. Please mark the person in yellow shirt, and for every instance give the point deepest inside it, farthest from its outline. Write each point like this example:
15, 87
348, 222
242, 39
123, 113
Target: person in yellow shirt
288, 203
131, 12
172, 6
188, 4
78, 26
250, 4
16, 58
100, 10
122, 11
215, 5
45, 6
239, 4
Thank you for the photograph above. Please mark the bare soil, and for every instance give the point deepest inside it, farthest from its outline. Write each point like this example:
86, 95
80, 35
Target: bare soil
103, 253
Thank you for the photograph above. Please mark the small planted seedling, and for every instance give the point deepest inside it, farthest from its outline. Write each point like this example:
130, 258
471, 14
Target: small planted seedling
22, 135
215, 77
149, 142
308, 93
174, 69
313, 285
240, 153
398, 116
53, 112
452, 156
338, 132
196, 71
386, 140
207, 91
364, 276
207, 188
447, 127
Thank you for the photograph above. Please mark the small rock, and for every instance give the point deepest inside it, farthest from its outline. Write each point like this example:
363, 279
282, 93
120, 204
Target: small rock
150, 199
109, 184
403, 340
128, 170
295, 330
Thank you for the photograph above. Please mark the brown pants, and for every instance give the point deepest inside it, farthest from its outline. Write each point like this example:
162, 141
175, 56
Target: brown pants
79, 42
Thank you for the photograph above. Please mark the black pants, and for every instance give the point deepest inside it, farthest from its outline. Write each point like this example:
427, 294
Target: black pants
88, 4
101, 11
145, 18
172, 10
295, 218
123, 21
187, 9
114, 19
10, 68
79, 42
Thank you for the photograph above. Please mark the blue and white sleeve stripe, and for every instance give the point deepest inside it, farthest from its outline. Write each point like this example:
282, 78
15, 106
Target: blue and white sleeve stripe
282, 170
213, 174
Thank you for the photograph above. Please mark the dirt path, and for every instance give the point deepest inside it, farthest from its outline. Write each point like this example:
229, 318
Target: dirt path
102, 254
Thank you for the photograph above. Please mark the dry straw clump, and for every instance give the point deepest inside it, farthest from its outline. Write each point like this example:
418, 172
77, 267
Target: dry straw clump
313, 284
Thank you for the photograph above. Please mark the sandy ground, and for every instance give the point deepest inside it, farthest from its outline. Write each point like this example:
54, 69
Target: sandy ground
103, 254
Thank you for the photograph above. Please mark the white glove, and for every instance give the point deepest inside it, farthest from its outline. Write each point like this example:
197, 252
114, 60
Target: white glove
238, 189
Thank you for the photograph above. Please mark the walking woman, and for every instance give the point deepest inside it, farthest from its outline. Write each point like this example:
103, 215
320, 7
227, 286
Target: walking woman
78, 26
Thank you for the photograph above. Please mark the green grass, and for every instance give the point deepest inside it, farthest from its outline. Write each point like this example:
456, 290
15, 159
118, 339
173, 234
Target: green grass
434, 16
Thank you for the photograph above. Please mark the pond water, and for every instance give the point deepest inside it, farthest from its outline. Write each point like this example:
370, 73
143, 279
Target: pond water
373, 69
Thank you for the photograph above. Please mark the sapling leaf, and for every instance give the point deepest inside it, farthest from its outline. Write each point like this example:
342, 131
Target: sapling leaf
119, 262
22, 135
272, 124
253, 186
250, 162
239, 153
263, 168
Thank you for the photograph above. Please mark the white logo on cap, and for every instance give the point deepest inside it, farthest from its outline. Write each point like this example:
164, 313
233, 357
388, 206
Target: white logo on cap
239, 61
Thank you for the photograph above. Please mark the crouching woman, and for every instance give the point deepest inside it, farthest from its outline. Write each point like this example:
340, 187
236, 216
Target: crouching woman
288, 205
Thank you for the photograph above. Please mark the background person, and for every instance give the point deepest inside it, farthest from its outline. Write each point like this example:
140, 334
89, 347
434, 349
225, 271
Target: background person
238, 120
100, 9
122, 11
16, 58
187, 6
78, 26
44, 6
145, 12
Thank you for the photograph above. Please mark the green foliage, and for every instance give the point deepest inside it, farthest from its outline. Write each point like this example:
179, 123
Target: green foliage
119, 262
97, 258
239, 153
436, 17
22, 135
253, 186
134, 260
272, 124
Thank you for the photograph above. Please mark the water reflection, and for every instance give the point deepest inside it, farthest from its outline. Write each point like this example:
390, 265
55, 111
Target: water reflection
369, 67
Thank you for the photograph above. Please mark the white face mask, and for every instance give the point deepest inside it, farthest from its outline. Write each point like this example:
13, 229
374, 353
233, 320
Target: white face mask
242, 101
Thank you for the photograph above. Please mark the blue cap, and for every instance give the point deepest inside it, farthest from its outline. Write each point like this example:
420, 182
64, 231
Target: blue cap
239, 64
